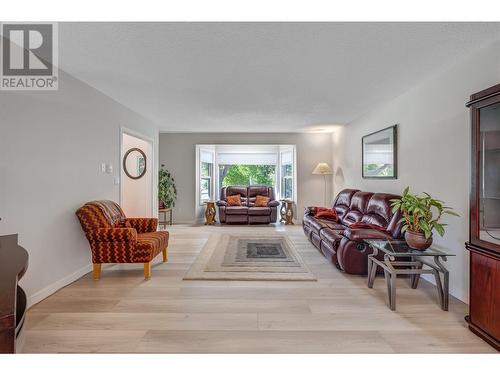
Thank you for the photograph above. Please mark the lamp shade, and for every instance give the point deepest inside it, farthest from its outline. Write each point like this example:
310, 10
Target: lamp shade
322, 168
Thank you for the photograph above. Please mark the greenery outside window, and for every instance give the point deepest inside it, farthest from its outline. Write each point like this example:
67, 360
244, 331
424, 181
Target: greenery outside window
246, 174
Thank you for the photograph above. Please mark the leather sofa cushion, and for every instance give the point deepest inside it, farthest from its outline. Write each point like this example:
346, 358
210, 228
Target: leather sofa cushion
343, 201
362, 234
316, 225
344, 197
259, 211
380, 205
235, 190
255, 219
253, 191
236, 210
357, 207
331, 237
364, 225
307, 220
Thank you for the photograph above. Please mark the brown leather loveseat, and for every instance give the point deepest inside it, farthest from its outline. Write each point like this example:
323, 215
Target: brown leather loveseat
343, 245
247, 213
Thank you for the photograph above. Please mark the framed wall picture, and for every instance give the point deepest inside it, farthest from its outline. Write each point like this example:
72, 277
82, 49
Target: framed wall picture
379, 158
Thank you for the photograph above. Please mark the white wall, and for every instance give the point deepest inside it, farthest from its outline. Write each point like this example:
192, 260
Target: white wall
177, 152
434, 147
52, 145
136, 197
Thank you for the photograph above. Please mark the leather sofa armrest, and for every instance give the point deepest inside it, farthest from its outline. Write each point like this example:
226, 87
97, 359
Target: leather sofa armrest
113, 235
143, 224
311, 210
364, 234
273, 204
221, 203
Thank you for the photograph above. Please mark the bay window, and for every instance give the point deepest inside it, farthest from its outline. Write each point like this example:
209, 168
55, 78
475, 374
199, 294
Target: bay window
232, 165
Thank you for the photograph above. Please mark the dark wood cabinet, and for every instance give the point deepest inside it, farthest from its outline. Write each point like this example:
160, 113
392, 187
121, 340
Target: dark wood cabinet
484, 233
13, 265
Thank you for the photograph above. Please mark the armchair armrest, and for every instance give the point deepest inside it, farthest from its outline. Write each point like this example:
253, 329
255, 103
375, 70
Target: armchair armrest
143, 224
364, 234
221, 203
113, 235
273, 204
311, 210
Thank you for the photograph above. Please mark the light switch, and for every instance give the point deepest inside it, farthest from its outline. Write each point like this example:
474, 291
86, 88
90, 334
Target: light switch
103, 167
109, 169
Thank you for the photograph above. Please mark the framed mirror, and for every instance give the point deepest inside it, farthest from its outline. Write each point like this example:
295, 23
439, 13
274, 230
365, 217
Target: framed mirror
379, 159
134, 163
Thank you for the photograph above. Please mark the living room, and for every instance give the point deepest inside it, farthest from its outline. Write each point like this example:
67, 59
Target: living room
250, 187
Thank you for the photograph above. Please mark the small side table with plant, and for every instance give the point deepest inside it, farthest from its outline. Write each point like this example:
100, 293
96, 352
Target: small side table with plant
167, 193
421, 215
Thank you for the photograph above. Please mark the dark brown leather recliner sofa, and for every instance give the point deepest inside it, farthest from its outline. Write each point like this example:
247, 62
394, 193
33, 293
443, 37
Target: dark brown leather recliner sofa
247, 213
344, 246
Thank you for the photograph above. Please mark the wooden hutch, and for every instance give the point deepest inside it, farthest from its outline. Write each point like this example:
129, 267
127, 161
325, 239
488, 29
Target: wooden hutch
484, 237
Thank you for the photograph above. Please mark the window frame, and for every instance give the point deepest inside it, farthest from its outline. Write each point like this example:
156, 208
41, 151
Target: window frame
216, 149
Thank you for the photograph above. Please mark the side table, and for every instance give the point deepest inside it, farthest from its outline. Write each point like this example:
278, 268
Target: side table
162, 222
394, 264
286, 211
210, 213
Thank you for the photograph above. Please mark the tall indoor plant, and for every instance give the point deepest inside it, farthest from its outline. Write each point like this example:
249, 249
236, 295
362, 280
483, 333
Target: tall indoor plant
167, 192
421, 215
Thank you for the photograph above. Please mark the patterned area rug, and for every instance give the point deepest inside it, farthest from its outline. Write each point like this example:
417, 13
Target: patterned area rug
249, 257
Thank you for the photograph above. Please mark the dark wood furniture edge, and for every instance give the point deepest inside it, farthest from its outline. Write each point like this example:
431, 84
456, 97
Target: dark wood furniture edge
485, 336
13, 265
478, 249
483, 94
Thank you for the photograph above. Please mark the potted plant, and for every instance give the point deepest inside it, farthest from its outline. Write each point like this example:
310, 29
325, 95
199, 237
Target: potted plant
421, 215
167, 192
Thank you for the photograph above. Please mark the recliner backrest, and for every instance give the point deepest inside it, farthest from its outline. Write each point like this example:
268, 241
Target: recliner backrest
235, 190
379, 212
343, 201
254, 190
357, 208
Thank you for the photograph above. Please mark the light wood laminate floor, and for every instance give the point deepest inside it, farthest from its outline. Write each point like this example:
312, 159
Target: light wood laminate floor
336, 314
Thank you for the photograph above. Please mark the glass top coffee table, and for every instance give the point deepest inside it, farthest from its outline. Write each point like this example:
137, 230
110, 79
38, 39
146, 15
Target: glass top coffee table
400, 259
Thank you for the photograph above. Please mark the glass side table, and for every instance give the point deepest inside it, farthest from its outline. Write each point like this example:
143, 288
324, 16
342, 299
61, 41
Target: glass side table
400, 259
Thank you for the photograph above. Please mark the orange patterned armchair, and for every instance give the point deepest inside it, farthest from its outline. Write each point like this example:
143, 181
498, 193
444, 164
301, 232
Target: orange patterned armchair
114, 238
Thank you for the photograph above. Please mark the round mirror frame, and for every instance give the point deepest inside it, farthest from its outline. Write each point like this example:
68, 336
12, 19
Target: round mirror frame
125, 163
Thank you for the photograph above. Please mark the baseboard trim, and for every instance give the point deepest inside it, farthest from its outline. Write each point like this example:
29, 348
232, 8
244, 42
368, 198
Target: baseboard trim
52, 288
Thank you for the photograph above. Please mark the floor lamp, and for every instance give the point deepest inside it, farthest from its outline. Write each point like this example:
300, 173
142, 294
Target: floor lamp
325, 170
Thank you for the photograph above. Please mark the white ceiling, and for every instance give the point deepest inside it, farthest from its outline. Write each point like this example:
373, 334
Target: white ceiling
259, 77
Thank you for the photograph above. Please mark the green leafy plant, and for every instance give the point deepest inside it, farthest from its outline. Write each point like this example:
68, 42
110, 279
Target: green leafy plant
421, 214
242, 174
167, 192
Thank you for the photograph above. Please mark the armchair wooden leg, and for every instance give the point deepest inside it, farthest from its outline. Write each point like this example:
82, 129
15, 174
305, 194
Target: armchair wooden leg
147, 270
96, 273
165, 254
